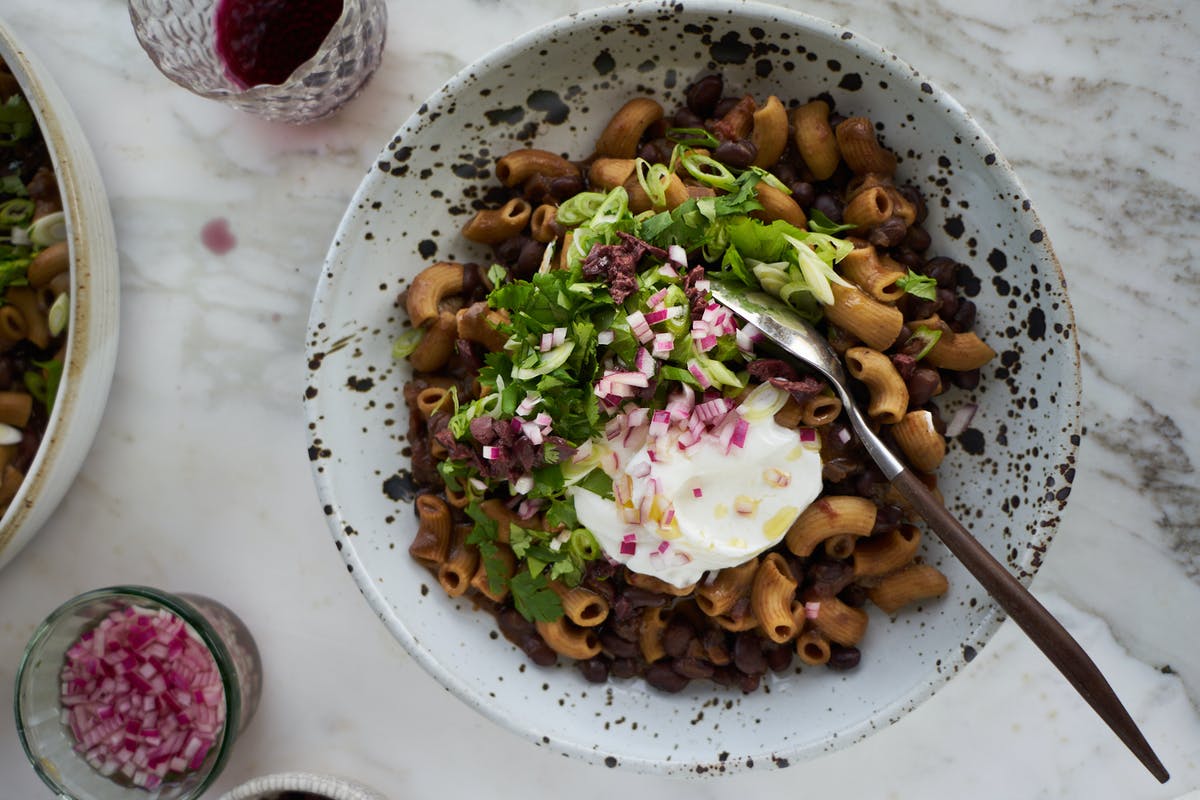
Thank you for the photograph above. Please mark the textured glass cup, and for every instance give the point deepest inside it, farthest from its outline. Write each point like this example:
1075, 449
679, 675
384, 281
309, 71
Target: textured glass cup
180, 38
48, 742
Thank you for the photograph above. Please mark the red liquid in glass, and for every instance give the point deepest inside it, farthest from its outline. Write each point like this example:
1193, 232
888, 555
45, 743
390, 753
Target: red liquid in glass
264, 41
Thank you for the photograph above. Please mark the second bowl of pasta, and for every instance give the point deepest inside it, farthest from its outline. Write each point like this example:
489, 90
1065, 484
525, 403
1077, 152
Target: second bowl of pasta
590, 500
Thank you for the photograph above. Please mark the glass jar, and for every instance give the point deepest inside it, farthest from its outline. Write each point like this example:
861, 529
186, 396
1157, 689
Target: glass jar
41, 713
181, 38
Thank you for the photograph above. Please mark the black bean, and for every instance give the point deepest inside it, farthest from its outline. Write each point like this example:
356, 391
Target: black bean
530, 258
864, 484
785, 172
508, 251
656, 151
565, 186
595, 670
964, 317
779, 656
686, 118
828, 578
749, 683
601, 569
943, 270
886, 518
922, 386
618, 646
948, 301
724, 106
803, 193
704, 94
739, 153
661, 676
677, 637
627, 628
913, 195
514, 627
917, 238
830, 206
908, 257
693, 668
603, 588
643, 598
623, 668
747, 653
854, 596
836, 119
918, 308
716, 648
888, 233
843, 657
538, 651
968, 379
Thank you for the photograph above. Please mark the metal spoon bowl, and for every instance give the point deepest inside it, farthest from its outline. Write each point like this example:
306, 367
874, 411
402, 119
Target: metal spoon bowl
797, 337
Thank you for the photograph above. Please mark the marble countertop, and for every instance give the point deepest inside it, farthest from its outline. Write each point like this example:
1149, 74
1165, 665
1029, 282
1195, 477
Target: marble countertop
198, 480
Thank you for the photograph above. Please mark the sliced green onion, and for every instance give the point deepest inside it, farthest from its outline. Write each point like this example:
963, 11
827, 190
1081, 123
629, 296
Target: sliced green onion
719, 177
579, 209
551, 360
49, 229
407, 342
58, 314
770, 180
929, 336
16, 211
654, 180
692, 137
615, 206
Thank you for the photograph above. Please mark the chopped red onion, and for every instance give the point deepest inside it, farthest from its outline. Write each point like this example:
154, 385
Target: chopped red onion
655, 299
677, 255
697, 492
667, 271
629, 548
807, 435
644, 362
123, 683
639, 326
491, 452
812, 609
547, 342
694, 367
604, 337
559, 336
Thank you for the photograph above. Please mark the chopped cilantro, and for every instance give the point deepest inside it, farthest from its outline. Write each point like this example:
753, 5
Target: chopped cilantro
819, 223
534, 598
919, 285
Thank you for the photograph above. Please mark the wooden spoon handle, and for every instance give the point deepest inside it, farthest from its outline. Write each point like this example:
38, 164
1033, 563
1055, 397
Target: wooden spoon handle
1045, 631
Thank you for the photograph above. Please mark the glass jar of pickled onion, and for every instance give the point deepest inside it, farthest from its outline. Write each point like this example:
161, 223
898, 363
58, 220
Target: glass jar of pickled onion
128, 690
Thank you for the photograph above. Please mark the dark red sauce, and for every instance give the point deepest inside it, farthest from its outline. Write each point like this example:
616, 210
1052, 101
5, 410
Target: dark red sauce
264, 41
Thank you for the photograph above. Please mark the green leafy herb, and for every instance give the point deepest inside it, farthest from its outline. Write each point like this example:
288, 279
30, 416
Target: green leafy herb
533, 597
919, 285
819, 223
16, 121
43, 385
692, 137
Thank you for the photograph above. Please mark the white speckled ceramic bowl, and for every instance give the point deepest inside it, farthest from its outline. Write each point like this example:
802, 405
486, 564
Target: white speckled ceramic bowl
1007, 475
270, 787
92, 339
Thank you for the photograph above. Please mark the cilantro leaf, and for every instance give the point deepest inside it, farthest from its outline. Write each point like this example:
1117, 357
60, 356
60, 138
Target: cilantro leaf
533, 598
819, 223
919, 285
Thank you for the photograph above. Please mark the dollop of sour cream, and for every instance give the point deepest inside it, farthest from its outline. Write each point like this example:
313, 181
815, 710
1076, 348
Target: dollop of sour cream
678, 512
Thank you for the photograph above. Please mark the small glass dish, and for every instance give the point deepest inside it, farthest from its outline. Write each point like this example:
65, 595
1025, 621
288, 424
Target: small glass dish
207, 627
180, 36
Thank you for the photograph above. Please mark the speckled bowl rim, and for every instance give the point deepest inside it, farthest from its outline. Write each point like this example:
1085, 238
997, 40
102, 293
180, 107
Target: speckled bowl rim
1039, 539
326, 785
94, 308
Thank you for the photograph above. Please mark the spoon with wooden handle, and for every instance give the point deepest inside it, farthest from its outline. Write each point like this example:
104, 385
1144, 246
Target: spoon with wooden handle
796, 336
